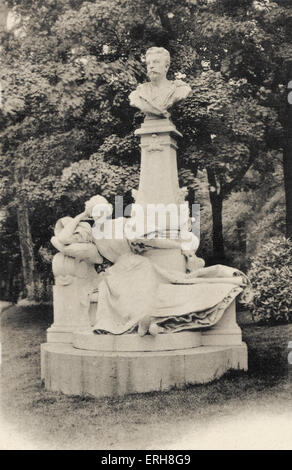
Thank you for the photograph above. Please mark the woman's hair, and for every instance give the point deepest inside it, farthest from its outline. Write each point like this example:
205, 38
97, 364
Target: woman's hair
60, 224
83, 230
99, 201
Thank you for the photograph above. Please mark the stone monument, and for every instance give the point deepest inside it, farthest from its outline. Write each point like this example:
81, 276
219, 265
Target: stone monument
157, 318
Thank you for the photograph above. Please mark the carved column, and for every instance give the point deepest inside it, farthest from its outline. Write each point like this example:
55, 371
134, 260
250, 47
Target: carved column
159, 182
74, 284
158, 174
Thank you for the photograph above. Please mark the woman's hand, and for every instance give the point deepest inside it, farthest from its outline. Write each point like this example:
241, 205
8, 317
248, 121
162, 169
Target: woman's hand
89, 205
83, 216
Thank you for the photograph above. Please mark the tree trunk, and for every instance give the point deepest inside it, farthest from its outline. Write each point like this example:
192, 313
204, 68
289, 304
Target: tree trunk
27, 254
218, 241
287, 154
8, 281
241, 236
216, 200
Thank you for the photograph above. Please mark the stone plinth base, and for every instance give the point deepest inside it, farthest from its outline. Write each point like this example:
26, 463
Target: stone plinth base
100, 374
133, 342
60, 334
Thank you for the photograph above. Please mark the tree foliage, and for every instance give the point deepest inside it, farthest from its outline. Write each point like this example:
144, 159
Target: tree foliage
270, 275
66, 125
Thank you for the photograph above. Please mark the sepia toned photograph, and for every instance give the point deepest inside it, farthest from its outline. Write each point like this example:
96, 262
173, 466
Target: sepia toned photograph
145, 227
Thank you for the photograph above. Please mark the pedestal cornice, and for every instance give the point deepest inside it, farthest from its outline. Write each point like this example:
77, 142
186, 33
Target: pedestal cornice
158, 126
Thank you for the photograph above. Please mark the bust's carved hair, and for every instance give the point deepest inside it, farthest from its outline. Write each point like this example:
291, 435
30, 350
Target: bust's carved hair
159, 50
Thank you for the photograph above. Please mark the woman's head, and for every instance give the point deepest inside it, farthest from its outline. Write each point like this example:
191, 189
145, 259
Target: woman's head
97, 207
82, 232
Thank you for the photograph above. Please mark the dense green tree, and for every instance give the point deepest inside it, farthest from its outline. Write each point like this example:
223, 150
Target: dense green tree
227, 126
66, 124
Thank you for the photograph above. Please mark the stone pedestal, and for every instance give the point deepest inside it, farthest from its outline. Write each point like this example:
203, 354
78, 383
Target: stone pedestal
86, 340
109, 365
159, 199
158, 174
104, 373
74, 283
226, 332
70, 312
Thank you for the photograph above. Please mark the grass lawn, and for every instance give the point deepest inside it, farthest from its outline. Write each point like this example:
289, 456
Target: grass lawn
35, 418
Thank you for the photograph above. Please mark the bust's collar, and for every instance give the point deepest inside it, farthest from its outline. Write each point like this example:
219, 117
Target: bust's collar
170, 83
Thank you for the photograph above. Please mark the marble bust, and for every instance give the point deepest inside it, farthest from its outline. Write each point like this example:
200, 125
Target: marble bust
155, 97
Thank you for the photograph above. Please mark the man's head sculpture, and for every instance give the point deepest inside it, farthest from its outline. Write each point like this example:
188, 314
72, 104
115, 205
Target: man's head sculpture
157, 62
154, 98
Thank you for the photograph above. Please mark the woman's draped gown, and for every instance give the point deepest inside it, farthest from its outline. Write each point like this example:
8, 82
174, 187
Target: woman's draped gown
135, 287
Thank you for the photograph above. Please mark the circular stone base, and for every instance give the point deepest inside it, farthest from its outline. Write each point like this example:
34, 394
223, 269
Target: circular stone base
90, 341
102, 374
